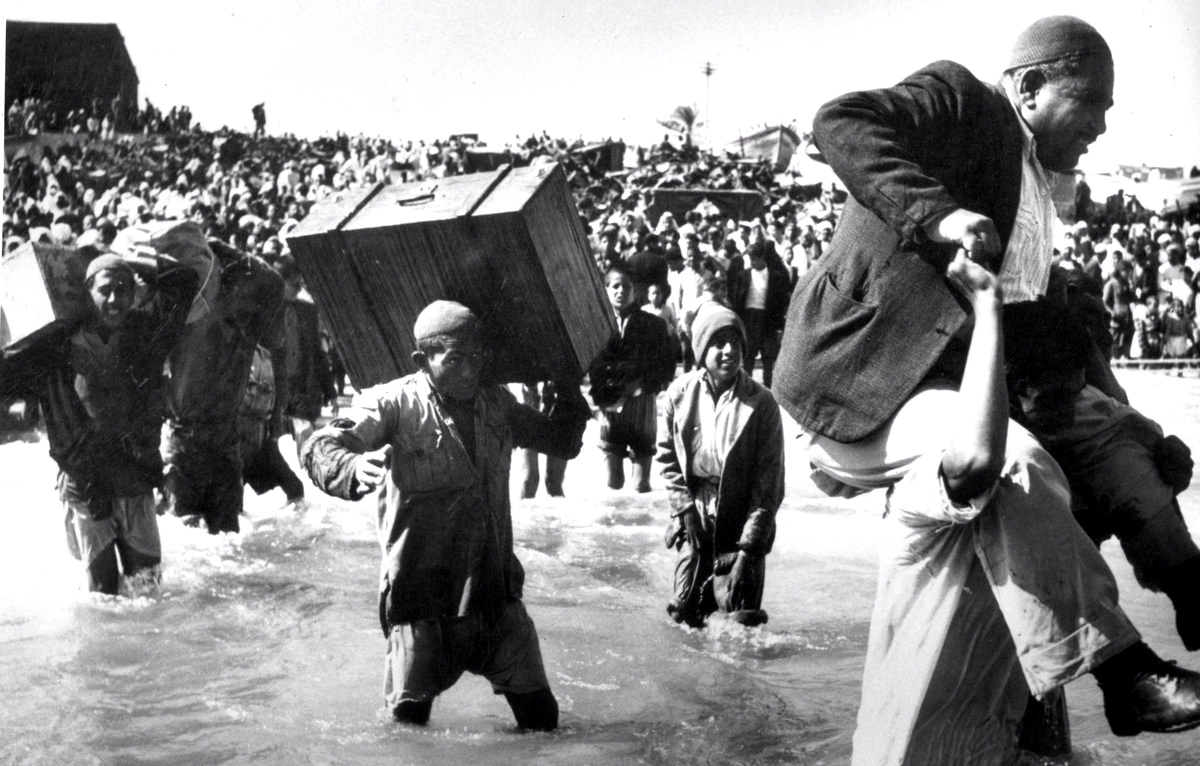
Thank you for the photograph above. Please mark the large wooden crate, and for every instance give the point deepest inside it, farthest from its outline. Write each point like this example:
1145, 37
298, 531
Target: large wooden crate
508, 244
41, 291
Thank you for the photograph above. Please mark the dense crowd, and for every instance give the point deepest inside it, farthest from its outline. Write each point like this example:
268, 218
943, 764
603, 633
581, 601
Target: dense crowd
101, 119
1145, 268
250, 191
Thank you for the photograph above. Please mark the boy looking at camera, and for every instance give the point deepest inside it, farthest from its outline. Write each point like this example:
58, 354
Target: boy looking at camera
721, 454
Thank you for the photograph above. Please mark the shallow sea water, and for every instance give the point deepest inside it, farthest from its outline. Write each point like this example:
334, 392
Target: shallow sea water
264, 647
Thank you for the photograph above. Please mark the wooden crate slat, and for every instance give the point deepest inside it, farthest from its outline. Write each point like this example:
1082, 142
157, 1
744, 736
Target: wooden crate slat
520, 260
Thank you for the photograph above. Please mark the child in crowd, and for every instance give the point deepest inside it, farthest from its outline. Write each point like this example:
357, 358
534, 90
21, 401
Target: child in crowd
721, 454
1147, 330
1123, 484
626, 378
1177, 330
439, 444
714, 293
658, 305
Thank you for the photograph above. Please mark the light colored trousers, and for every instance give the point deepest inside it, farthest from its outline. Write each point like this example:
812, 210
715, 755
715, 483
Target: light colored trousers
969, 595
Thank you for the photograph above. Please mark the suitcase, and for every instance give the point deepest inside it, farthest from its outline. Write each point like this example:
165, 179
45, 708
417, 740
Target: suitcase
41, 292
508, 244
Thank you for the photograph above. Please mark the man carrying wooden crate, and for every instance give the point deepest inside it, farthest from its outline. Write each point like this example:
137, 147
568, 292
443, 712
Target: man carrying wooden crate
100, 389
439, 446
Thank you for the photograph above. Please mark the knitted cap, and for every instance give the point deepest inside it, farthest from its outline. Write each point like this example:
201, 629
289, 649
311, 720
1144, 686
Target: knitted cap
1055, 37
108, 262
711, 318
444, 318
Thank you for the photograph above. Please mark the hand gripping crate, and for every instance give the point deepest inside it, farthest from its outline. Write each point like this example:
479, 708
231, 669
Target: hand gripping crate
41, 292
508, 244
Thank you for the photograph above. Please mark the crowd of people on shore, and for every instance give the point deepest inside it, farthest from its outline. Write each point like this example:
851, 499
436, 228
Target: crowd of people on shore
250, 191
32, 116
1145, 270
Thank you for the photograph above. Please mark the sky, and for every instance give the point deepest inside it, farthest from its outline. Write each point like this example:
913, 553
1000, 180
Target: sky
601, 69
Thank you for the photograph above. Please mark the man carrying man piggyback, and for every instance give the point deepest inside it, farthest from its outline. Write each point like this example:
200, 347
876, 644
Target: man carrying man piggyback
873, 359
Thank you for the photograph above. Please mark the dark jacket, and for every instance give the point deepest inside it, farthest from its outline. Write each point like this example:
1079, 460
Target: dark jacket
643, 352
875, 314
302, 371
210, 366
779, 288
102, 399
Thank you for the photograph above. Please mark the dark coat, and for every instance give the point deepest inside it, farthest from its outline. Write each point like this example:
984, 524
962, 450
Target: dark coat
643, 353
304, 382
103, 402
779, 287
873, 316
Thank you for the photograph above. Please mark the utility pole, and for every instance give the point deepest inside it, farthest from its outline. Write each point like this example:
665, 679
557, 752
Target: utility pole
708, 72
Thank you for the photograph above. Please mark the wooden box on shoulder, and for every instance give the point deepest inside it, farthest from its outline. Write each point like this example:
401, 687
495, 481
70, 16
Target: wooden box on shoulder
41, 291
508, 244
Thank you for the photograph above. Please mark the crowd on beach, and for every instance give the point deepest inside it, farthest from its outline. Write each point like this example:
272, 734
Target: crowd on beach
32, 115
250, 191
701, 297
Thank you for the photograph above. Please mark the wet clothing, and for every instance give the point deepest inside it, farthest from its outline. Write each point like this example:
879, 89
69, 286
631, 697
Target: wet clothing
303, 380
263, 467
129, 532
724, 459
203, 480
101, 395
449, 579
258, 402
427, 657
540, 396
208, 374
975, 603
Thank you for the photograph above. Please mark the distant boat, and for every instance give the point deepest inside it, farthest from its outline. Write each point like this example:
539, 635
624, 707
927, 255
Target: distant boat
775, 145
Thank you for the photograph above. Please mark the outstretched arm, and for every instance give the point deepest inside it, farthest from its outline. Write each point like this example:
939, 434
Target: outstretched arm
351, 456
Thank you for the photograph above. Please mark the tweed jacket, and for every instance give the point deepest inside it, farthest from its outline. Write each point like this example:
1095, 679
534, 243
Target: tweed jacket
870, 320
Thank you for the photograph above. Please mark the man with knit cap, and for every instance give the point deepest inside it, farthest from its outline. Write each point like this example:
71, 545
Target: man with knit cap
721, 455
940, 163
100, 387
438, 445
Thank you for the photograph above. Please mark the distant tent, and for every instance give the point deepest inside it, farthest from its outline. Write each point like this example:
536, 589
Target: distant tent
69, 65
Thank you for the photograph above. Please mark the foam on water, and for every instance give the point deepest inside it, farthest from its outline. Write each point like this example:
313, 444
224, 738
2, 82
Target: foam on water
264, 647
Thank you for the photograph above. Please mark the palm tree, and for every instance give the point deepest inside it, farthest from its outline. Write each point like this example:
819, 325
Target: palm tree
683, 120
